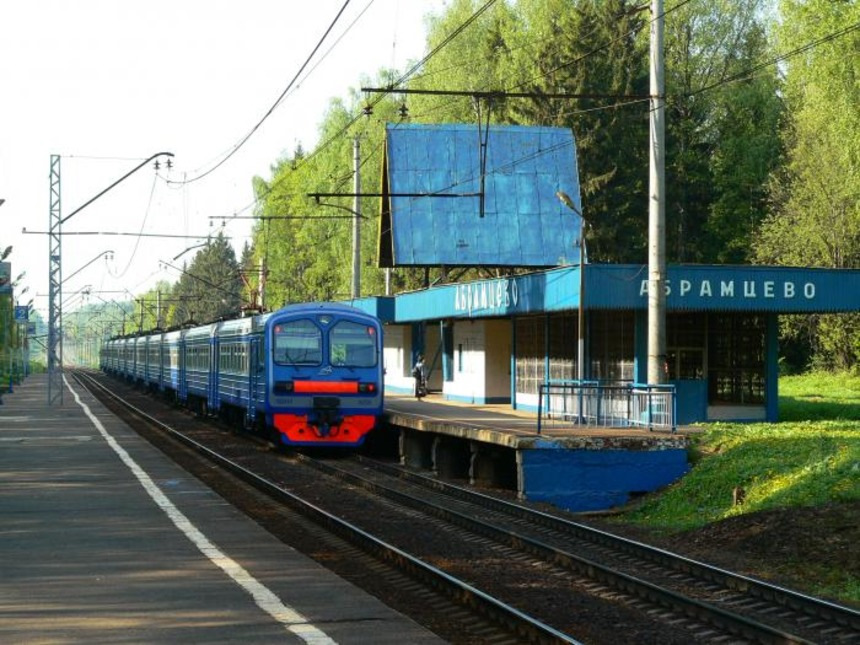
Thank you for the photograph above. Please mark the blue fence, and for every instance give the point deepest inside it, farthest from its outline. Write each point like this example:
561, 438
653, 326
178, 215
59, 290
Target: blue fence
591, 403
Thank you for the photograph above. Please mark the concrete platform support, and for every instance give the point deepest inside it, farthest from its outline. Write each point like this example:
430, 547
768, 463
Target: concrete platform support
585, 480
493, 466
450, 458
416, 449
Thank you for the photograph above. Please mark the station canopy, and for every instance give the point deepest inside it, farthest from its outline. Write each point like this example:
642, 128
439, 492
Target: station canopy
460, 195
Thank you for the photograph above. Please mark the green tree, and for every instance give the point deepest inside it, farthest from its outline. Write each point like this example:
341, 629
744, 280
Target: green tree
815, 196
209, 289
722, 138
151, 307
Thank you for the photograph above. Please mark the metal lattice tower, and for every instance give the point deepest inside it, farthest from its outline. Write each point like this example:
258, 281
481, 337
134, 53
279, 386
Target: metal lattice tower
55, 291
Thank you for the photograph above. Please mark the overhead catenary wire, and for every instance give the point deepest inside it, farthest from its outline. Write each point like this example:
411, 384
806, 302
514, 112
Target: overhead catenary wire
747, 73
269, 112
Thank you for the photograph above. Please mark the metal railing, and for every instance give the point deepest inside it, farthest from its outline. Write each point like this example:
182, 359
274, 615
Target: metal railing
610, 405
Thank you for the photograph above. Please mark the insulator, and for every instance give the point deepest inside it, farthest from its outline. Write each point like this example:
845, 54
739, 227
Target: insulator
368, 110
404, 111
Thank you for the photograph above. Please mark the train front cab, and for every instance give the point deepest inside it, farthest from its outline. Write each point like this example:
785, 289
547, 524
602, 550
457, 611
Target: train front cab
324, 375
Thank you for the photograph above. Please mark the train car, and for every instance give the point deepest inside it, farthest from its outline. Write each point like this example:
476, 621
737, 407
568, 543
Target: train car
324, 375
233, 387
172, 366
199, 367
126, 350
153, 357
138, 371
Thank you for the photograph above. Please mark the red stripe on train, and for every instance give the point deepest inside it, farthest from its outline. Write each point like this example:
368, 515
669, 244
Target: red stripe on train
325, 387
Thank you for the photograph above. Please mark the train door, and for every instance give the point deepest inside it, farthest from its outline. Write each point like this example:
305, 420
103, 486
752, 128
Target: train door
180, 362
253, 376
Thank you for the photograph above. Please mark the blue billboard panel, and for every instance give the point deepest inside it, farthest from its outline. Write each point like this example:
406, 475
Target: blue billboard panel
457, 196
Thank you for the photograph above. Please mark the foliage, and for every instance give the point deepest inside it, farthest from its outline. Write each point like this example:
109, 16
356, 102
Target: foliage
722, 139
815, 217
153, 305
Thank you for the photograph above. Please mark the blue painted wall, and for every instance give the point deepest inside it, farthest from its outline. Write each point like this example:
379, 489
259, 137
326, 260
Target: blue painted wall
587, 480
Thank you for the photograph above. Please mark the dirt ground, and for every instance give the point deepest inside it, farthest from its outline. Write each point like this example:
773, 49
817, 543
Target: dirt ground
804, 549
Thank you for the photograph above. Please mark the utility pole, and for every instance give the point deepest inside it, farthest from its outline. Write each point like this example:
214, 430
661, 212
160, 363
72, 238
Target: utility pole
657, 205
356, 220
262, 283
55, 272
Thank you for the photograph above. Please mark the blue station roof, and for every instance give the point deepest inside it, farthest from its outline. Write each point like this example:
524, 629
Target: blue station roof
432, 211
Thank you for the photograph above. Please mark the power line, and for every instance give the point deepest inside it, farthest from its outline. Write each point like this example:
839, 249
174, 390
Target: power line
268, 113
343, 130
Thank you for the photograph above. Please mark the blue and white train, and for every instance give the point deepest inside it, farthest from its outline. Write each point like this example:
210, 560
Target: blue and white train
312, 373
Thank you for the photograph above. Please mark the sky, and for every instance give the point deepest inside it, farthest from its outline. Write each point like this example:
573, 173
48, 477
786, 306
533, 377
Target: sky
106, 84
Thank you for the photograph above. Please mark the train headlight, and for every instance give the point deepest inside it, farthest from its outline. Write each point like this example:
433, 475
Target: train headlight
284, 387
367, 388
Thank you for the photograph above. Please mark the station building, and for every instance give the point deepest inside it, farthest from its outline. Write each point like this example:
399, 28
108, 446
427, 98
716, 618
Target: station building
506, 198
459, 196
496, 341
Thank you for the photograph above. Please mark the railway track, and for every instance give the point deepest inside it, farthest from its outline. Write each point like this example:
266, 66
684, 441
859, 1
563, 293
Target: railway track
744, 606
472, 615
554, 577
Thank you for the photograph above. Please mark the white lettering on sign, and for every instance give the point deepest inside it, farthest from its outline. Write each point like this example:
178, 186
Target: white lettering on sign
769, 289
490, 296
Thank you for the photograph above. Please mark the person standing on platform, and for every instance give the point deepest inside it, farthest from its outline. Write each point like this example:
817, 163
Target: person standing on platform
420, 378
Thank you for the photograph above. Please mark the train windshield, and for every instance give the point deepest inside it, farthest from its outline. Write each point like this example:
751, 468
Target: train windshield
353, 344
297, 342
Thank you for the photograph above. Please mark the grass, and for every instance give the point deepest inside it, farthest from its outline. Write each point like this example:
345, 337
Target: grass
810, 458
791, 463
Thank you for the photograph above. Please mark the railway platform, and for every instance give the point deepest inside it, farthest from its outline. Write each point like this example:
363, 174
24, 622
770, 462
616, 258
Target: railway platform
104, 539
578, 468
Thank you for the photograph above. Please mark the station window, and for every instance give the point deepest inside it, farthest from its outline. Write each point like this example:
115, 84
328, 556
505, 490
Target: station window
562, 346
736, 361
530, 353
685, 346
610, 345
